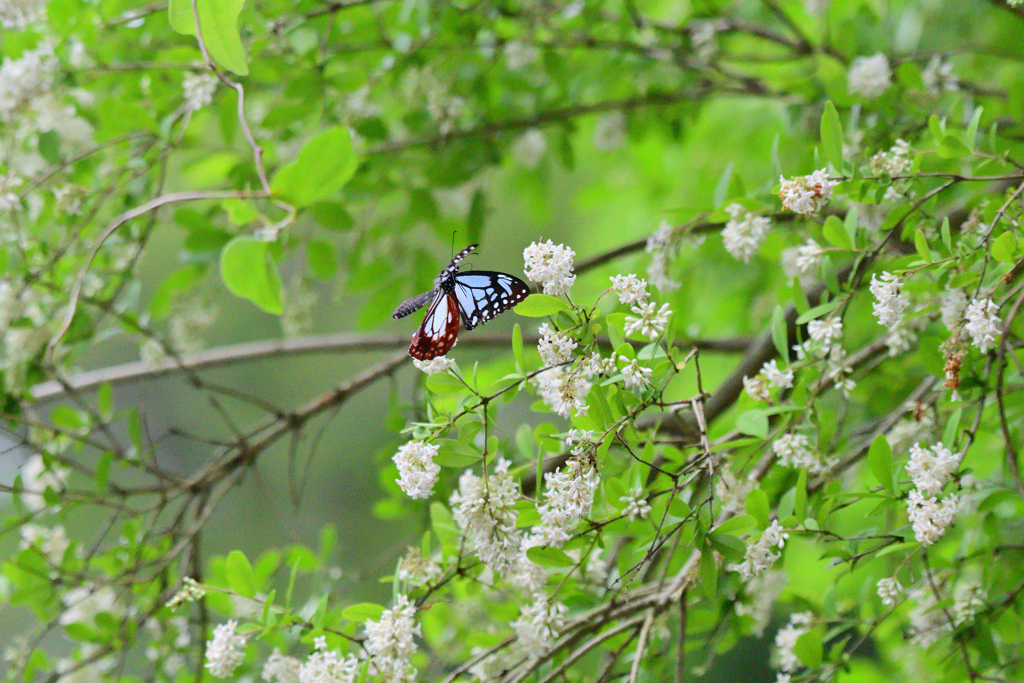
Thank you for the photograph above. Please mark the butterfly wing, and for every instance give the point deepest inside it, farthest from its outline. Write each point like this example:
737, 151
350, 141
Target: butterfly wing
440, 326
412, 304
483, 294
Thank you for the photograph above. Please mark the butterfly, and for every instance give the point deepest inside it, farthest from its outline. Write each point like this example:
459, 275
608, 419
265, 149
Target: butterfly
476, 297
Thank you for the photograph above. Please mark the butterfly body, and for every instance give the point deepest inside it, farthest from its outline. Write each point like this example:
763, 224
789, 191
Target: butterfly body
475, 297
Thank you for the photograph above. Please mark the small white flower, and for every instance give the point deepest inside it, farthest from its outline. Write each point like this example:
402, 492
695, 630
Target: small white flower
555, 347
969, 598
417, 471
564, 392
538, 625
486, 514
434, 365
929, 469
982, 323
225, 651
84, 603
757, 387
938, 75
954, 303
568, 498
760, 555
794, 450
629, 289
636, 504
390, 643
190, 592
869, 77
281, 668
199, 90
17, 15
895, 162
744, 232
635, 375
580, 440
52, 543
519, 54
550, 265
930, 517
806, 194
785, 641
889, 303
650, 321
826, 332
37, 478
780, 379
889, 590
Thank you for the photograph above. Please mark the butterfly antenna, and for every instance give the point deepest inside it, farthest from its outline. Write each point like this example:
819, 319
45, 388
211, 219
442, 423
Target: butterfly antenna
454, 232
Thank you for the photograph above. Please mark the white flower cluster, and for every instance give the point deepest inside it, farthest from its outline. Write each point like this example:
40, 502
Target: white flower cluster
580, 441
630, 290
785, 640
52, 543
390, 642
485, 512
565, 391
969, 598
225, 651
982, 323
662, 246
763, 589
744, 232
760, 555
415, 569
650, 321
417, 471
929, 468
434, 365
281, 668
555, 347
928, 623
18, 15
803, 261
770, 376
894, 162
529, 149
198, 90
568, 498
794, 450
190, 591
930, 517
84, 603
550, 265
889, 303
636, 504
25, 78
730, 491
826, 333
954, 303
36, 478
938, 75
538, 625
889, 590
635, 375
869, 77
519, 54
806, 194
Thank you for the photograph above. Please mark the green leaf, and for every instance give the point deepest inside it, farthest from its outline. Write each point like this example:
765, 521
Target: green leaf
779, 336
818, 311
181, 281
753, 423
322, 167
541, 305
239, 574
880, 461
1005, 248
850, 224
734, 526
679, 508
835, 232
442, 524
757, 506
972, 129
475, 218
517, 347
363, 611
800, 497
219, 22
809, 650
952, 147
921, 244
320, 254
549, 557
832, 136
455, 454
444, 384
249, 272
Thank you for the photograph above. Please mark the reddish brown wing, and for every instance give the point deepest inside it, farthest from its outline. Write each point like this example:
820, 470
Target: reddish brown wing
438, 330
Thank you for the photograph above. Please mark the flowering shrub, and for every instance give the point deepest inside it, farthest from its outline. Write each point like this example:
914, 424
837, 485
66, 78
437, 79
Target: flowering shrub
768, 385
